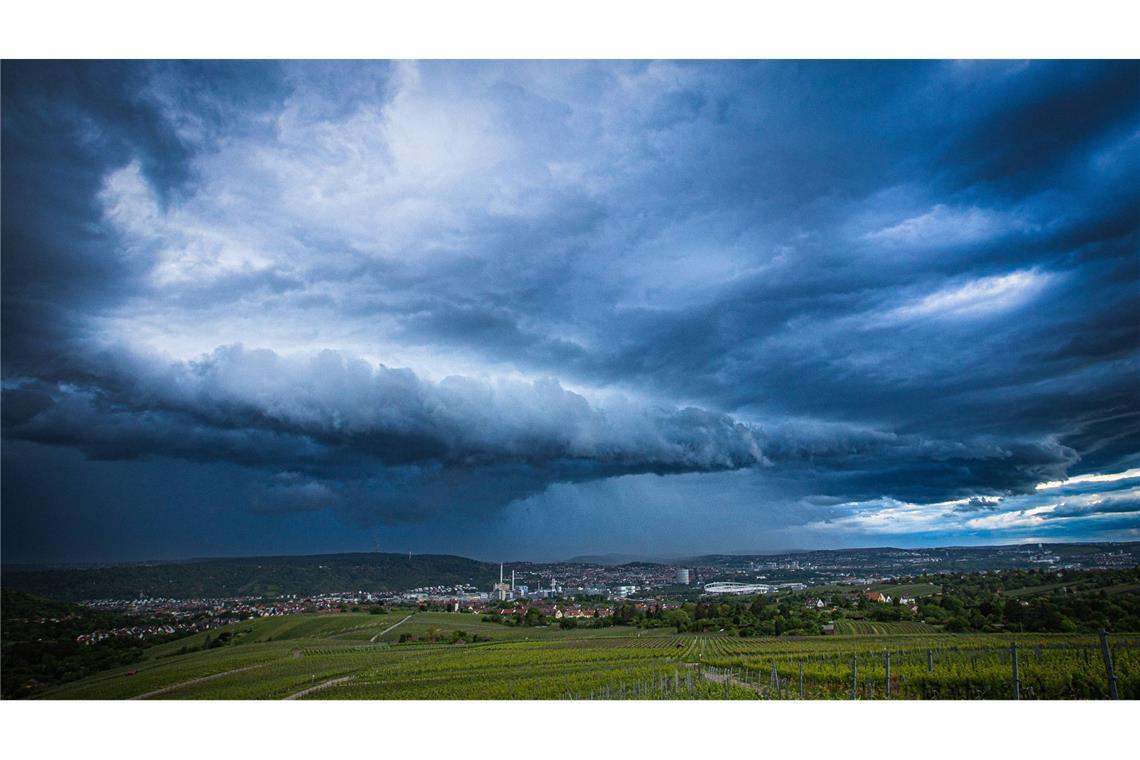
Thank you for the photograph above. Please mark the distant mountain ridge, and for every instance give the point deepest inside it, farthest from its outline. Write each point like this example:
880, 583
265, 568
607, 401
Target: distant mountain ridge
253, 576
614, 559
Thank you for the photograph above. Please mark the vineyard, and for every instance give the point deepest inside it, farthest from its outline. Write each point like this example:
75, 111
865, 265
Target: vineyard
941, 667
361, 657
868, 627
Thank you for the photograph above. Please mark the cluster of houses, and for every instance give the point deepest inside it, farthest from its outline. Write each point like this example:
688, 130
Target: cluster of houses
905, 601
133, 632
871, 596
236, 607
570, 610
557, 612
195, 615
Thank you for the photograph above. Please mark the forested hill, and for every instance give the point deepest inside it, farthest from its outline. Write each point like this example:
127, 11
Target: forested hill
254, 576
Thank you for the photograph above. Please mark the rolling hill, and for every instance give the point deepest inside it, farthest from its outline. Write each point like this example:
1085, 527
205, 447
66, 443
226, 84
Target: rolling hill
253, 576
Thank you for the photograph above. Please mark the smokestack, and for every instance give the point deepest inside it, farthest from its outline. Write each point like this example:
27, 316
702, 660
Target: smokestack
512, 580
500, 572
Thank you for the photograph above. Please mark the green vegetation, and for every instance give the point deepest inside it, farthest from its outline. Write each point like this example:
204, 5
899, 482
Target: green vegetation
950, 644
1017, 600
1051, 601
1014, 600
735, 616
913, 590
963, 666
866, 627
39, 643
334, 657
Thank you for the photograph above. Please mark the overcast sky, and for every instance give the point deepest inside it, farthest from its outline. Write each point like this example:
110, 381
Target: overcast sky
532, 310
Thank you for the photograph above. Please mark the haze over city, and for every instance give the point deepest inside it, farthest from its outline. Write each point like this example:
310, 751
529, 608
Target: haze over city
536, 310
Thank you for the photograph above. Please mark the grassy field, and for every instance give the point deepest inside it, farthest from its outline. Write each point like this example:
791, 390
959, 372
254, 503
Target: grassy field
907, 589
356, 656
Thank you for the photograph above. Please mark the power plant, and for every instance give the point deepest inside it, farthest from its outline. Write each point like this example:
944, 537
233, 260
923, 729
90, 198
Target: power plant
501, 590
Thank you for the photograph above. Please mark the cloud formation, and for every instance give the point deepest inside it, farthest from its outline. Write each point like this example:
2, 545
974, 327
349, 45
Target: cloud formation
402, 291
343, 419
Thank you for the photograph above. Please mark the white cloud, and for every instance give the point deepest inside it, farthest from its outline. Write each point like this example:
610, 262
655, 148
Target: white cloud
978, 297
180, 246
1024, 518
887, 516
1107, 477
944, 225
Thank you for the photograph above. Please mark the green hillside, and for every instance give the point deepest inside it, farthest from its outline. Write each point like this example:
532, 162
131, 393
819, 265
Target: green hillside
254, 576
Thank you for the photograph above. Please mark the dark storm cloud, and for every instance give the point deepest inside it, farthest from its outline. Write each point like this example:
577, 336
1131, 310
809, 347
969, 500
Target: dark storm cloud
65, 125
376, 438
1047, 124
912, 281
389, 414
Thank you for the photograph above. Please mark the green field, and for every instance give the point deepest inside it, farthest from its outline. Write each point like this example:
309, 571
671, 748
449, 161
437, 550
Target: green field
916, 590
358, 656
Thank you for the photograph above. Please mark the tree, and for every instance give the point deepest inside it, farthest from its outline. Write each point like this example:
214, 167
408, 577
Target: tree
679, 619
758, 605
957, 624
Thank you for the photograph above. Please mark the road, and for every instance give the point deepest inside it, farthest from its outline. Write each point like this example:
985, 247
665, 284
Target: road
193, 681
373, 639
325, 685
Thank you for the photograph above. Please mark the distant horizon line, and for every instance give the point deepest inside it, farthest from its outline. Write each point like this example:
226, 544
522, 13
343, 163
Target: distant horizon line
583, 559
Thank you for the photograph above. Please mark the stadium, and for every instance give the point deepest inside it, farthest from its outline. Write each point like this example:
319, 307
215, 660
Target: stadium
728, 587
